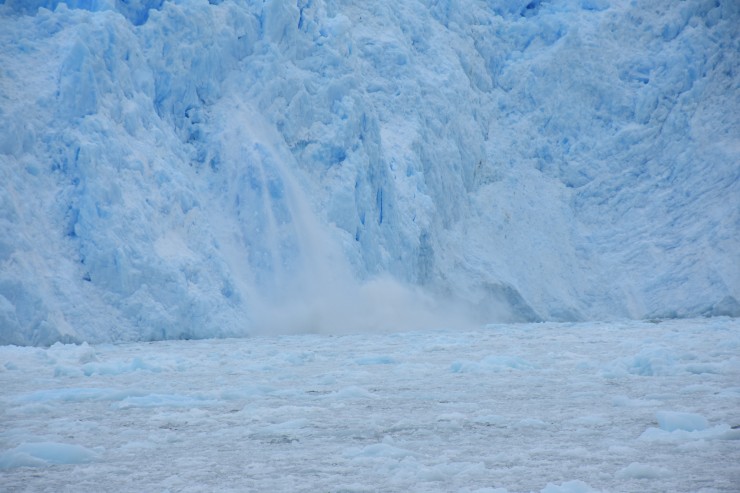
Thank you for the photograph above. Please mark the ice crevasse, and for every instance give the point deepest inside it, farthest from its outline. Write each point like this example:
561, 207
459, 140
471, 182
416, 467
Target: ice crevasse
193, 168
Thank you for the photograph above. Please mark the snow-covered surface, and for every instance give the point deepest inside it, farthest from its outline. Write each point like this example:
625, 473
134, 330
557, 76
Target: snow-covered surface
620, 407
186, 168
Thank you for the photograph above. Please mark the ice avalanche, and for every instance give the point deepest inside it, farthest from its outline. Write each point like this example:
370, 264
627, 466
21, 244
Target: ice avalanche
192, 168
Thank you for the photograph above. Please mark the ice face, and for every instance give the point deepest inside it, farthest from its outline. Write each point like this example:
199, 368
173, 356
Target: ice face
194, 169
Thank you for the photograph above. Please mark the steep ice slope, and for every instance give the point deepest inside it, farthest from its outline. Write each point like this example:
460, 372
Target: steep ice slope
538, 161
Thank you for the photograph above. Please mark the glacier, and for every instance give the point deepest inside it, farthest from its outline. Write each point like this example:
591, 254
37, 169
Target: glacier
193, 169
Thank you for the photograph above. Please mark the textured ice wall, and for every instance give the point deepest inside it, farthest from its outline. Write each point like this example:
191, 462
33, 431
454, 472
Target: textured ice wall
169, 166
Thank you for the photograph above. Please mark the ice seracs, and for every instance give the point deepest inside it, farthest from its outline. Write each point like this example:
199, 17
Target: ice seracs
532, 160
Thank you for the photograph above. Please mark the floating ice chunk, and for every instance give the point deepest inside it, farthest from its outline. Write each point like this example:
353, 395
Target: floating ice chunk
569, 487
699, 368
78, 353
672, 421
29, 410
450, 421
444, 471
67, 371
380, 450
719, 432
284, 432
726, 432
453, 417
589, 420
490, 420
16, 458
624, 401
246, 392
77, 395
38, 454
404, 425
118, 368
640, 471
489, 490
492, 363
648, 363
621, 450
287, 426
163, 400
530, 423
295, 358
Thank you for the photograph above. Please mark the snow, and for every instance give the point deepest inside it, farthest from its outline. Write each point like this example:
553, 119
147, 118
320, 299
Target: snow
379, 412
179, 169
671, 421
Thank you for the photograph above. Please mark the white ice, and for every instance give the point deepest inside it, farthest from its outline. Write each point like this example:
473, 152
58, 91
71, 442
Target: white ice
564, 408
192, 168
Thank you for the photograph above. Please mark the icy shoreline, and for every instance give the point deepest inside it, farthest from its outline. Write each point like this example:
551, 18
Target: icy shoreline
627, 406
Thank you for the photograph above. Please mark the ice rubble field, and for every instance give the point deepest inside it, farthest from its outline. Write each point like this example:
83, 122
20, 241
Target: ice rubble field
622, 407
194, 169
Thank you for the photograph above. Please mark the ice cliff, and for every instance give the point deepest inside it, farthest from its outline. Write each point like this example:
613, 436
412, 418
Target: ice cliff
193, 168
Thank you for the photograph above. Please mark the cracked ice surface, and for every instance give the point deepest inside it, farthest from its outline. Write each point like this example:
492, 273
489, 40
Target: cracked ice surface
628, 406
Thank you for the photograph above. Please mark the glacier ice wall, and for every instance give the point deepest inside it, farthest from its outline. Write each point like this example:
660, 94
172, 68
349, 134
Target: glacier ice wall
192, 168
